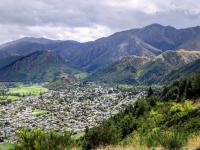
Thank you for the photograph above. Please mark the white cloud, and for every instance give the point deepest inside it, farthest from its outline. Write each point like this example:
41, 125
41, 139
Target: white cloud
145, 6
156, 6
81, 34
85, 20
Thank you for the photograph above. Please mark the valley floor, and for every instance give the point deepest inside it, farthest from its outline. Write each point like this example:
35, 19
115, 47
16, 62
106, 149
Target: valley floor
71, 109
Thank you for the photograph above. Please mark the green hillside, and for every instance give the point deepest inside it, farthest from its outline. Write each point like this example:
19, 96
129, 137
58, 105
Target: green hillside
123, 71
61, 83
183, 71
6, 61
156, 70
39, 66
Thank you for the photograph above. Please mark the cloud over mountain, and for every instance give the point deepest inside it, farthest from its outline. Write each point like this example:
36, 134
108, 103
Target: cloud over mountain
90, 19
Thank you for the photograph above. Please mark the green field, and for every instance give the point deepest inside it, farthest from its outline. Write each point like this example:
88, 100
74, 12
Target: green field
78, 135
38, 112
27, 90
9, 97
7, 146
80, 76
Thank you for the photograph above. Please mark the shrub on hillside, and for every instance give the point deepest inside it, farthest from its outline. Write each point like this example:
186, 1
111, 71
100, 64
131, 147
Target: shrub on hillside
40, 140
173, 139
140, 107
104, 134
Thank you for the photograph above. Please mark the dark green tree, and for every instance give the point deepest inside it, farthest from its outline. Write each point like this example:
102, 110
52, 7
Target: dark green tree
150, 92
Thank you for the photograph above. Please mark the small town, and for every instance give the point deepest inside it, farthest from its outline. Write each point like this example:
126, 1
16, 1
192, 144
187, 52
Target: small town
70, 109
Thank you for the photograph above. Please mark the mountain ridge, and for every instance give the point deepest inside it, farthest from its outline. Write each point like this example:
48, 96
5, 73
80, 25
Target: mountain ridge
149, 71
87, 55
151, 41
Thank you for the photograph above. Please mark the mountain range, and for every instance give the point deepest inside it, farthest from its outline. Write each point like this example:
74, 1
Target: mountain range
143, 54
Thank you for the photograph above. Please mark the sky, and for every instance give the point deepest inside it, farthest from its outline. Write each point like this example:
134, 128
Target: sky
86, 20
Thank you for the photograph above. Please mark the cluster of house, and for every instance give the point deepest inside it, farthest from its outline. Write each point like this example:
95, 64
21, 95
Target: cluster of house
74, 108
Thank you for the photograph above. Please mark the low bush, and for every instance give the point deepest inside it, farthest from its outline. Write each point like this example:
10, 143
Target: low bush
173, 139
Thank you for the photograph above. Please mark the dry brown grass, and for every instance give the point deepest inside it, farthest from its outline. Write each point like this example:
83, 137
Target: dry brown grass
197, 103
126, 148
194, 142
183, 51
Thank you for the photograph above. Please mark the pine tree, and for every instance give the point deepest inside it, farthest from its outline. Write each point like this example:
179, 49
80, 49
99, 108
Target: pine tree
150, 92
